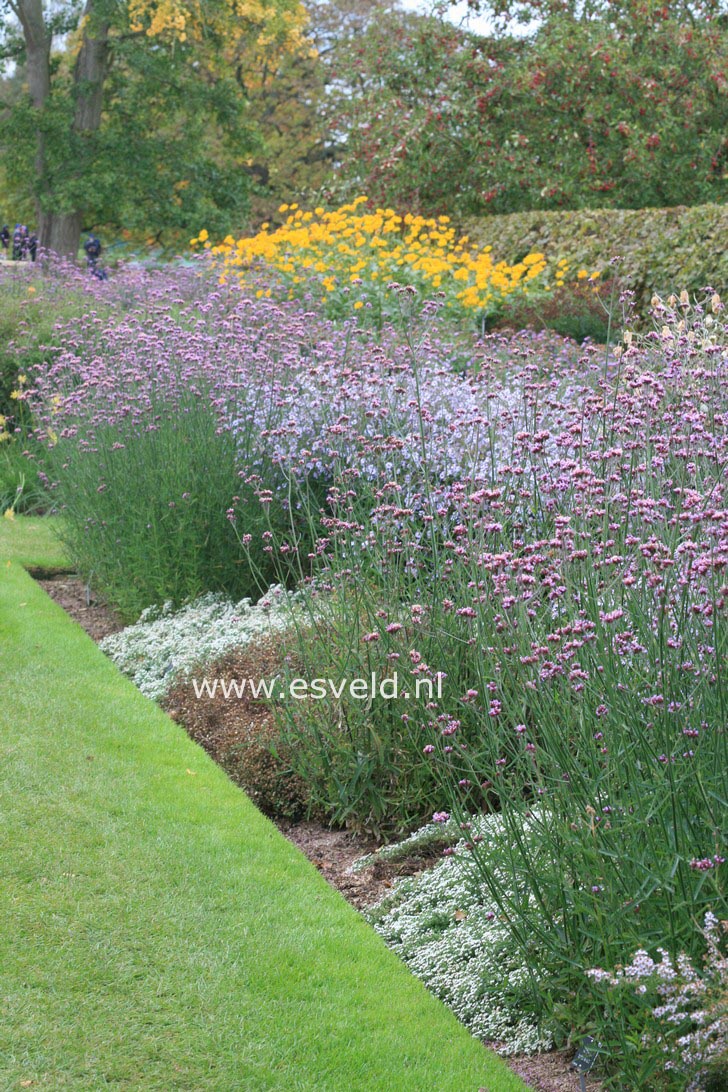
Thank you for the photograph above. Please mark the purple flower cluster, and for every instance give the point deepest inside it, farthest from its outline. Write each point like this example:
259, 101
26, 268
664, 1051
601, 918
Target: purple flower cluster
318, 398
545, 529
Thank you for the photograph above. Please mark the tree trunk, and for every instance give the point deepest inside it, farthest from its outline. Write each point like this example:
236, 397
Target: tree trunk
89, 74
38, 59
38, 50
61, 232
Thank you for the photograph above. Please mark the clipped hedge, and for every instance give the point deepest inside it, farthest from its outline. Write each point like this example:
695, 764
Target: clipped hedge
663, 250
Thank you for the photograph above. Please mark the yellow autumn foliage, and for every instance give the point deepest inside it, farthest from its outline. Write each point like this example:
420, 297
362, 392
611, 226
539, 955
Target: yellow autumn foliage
256, 28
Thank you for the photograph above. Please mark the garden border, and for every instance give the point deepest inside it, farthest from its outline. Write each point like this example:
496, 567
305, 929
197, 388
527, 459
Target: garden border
163, 930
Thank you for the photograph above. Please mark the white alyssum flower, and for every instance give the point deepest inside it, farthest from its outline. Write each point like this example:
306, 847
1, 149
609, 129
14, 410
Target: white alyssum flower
432, 834
444, 925
167, 644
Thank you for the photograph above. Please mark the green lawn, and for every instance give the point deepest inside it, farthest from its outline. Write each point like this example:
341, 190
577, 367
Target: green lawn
32, 540
158, 932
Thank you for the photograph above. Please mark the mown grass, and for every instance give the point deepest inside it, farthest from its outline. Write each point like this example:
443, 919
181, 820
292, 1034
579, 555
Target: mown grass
160, 933
32, 541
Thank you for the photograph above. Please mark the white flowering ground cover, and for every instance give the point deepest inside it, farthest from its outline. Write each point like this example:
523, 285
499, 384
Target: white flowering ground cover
426, 837
167, 644
445, 927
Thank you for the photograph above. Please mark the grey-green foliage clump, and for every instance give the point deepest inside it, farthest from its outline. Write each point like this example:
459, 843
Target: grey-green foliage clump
427, 837
166, 643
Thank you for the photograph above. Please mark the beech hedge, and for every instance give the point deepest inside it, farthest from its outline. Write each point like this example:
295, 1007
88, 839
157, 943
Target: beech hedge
660, 250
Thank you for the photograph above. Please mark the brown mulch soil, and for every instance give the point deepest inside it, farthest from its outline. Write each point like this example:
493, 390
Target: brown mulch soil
334, 851
237, 733
240, 732
91, 613
550, 1072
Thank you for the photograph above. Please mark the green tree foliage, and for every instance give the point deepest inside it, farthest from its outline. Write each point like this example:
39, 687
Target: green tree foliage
621, 105
136, 115
296, 104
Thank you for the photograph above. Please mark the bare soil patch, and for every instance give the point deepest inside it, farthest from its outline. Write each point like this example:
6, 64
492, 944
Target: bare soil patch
550, 1072
333, 852
83, 605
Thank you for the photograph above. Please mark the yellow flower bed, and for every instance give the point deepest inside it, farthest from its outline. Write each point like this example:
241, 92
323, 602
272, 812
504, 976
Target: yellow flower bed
351, 254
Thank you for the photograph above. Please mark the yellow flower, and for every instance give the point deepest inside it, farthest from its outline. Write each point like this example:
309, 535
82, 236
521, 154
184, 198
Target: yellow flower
359, 244
582, 274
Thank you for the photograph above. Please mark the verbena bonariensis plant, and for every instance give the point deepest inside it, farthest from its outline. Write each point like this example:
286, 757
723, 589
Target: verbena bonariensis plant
169, 422
42, 305
149, 418
563, 573
546, 535
160, 428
